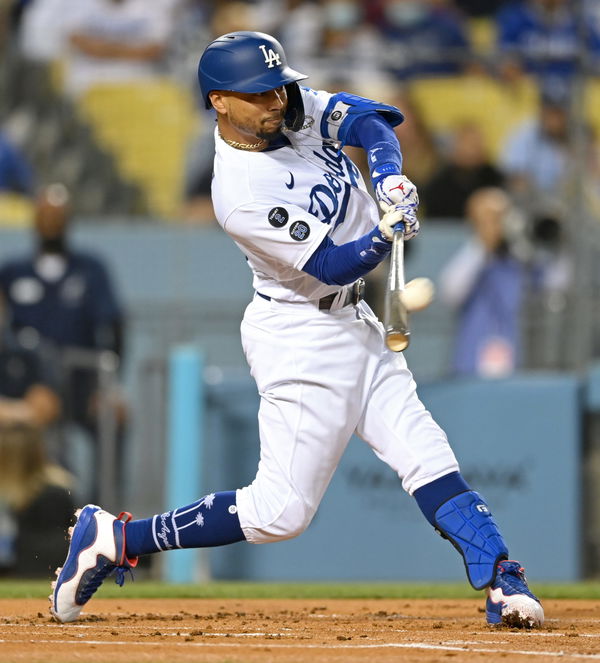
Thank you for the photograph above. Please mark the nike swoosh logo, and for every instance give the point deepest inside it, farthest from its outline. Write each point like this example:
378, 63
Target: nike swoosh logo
291, 183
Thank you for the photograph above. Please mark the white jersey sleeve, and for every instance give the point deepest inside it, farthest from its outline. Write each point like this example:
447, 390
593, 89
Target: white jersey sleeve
281, 234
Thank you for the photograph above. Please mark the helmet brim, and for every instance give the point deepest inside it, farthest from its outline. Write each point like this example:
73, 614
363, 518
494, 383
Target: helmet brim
255, 85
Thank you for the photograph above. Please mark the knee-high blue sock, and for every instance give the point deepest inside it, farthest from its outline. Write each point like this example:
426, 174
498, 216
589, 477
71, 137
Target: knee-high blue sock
211, 521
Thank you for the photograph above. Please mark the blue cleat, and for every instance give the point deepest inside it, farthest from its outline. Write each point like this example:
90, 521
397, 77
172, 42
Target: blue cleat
509, 600
97, 549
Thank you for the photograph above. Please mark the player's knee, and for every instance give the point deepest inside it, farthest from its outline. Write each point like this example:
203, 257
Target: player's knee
279, 521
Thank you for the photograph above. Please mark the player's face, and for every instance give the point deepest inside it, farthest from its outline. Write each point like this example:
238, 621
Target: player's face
251, 116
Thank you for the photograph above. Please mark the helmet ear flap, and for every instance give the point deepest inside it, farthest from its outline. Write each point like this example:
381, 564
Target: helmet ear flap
294, 115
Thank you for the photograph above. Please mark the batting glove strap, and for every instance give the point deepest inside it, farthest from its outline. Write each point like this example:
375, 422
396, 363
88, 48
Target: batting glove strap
466, 521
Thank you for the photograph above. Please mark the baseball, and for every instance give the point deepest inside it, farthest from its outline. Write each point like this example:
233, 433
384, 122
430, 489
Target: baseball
418, 294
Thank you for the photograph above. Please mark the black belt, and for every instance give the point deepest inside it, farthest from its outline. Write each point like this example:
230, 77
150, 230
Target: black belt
353, 296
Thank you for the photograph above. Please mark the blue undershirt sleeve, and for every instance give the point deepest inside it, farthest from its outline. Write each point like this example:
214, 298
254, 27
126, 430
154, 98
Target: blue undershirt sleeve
340, 265
373, 133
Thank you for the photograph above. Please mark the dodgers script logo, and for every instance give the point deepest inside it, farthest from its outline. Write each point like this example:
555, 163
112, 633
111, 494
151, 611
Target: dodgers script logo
329, 202
271, 58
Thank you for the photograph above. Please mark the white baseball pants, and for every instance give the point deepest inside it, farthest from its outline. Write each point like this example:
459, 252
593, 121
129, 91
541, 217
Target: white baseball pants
322, 376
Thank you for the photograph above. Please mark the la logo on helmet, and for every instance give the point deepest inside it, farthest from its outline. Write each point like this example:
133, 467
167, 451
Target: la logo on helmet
271, 58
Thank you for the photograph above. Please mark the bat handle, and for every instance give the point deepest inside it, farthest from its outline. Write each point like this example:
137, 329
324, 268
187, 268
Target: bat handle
397, 276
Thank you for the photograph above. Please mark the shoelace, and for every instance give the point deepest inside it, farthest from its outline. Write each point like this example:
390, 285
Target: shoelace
513, 575
95, 581
105, 570
120, 572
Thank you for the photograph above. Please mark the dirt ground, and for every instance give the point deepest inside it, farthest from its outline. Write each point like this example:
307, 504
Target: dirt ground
292, 631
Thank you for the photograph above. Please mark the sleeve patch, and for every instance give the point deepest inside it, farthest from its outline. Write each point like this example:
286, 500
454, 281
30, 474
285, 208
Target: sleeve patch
336, 117
299, 231
278, 217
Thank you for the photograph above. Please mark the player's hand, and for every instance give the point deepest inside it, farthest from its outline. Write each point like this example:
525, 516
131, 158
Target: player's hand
397, 190
398, 216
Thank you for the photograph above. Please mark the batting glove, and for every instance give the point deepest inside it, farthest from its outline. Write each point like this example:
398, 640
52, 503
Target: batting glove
398, 216
397, 190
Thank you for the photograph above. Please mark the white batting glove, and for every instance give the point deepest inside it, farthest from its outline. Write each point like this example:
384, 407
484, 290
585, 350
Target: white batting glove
395, 214
397, 190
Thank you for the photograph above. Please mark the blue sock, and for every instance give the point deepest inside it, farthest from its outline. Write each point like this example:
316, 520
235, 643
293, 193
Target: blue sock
432, 495
211, 521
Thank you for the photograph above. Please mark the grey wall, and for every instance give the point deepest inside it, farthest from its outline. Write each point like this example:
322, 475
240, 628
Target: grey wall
518, 442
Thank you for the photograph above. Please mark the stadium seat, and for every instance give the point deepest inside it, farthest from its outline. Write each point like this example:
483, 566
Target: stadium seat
15, 210
146, 125
592, 105
496, 108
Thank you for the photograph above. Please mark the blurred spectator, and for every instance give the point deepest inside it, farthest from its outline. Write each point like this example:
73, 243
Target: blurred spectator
550, 259
36, 507
466, 169
420, 153
28, 392
544, 38
349, 51
484, 284
480, 8
535, 156
62, 298
116, 41
552, 271
197, 203
299, 30
5, 21
42, 29
16, 175
422, 37
190, 27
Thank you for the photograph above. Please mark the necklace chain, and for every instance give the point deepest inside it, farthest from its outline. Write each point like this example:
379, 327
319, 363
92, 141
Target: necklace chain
242, 146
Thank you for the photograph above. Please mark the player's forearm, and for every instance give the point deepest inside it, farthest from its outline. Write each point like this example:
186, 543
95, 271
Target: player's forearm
344, 264
373, 133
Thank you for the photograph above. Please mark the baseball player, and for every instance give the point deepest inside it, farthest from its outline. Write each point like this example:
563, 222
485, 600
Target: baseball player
299, 210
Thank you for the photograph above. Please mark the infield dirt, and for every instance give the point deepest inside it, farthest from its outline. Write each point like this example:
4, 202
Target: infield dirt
292, 631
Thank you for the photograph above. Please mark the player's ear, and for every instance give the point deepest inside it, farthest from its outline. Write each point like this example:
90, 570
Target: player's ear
218, 102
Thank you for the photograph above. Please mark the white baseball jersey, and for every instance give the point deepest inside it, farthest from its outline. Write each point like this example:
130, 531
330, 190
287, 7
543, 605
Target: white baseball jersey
278, 205
322, 374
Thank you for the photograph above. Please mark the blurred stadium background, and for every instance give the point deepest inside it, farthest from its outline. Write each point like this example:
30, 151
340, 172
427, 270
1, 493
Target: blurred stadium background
103, 100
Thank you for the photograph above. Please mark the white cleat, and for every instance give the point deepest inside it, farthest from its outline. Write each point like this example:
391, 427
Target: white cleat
97, 548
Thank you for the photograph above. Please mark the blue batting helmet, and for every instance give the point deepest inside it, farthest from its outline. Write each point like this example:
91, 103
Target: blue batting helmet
244, 62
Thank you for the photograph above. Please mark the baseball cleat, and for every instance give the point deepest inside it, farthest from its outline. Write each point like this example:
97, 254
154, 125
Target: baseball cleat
509, 600
97, 549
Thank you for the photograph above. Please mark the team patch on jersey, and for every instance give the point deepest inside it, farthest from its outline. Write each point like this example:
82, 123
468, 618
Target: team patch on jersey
278, 217
299, 231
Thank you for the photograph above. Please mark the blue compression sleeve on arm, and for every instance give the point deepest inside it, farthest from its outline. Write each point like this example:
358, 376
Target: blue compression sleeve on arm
373, 133
340, 265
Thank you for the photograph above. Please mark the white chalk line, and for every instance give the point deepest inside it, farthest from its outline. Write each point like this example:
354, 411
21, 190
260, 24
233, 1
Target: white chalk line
185, 630
305, 645
179, 631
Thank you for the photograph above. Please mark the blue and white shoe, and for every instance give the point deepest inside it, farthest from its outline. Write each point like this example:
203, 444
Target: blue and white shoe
97, 549
509, 600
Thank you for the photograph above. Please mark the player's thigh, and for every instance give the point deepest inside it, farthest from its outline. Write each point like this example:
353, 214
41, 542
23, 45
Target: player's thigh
310, 405
401, 430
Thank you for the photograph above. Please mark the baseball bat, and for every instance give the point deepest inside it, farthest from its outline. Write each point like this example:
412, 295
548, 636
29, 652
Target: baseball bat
397, 332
